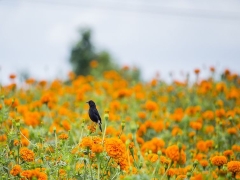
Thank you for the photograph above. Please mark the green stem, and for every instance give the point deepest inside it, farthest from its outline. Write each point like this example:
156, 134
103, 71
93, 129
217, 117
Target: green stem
138, 148
90, 164
104, 133
154, 171
55, 134
114, 175
80, 136
106, 166
98, 170
166, 171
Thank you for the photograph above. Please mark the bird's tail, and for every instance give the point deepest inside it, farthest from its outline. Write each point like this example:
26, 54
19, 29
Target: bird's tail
100, 127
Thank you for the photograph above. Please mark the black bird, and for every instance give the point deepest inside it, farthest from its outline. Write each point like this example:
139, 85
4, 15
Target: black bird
93, 113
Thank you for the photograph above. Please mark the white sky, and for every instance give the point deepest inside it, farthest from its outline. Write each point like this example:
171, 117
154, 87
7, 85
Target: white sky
157, 36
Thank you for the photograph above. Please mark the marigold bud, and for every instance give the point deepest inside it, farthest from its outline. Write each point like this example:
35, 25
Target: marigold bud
106, 116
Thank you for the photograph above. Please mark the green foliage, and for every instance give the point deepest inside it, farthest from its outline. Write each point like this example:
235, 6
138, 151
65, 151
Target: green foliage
84, 52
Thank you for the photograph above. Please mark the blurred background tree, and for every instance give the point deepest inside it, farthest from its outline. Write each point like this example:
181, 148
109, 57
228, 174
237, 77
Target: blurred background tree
86, 60
82, 53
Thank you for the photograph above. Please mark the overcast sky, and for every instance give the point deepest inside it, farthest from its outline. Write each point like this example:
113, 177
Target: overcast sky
157, 36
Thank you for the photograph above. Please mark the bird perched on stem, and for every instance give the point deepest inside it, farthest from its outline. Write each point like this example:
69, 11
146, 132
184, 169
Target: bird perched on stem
93, 113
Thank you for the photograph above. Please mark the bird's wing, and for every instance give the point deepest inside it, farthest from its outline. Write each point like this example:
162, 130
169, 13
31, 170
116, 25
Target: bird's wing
95, 111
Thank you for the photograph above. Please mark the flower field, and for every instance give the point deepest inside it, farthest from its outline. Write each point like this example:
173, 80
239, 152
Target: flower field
151, 130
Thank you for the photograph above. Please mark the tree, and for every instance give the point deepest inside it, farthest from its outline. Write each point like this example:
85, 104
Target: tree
83, 53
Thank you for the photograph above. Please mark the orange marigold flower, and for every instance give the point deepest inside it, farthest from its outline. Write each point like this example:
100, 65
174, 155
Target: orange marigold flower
228, 153
164, 160
196, 71
24, 142
71, 75
79, 166
92, 127
45, 98
234, 166
122, 162
179, 177
212, 69
191, 134
204, 163
114, 147
87, 142
93, 64
201, 146
62, 172
3, 138
232, 130
16, 170
174, 154
16, 142
131, 145
154, 145
196, 125
27, 174
176, 131
209, 129
153, 157
151, 106
12, 76
97, 148
220, 113
221, 86
197, 177
63, 136
142, 115
97, 140
66, 125
171, 172
209, 143
41, 176
236, 148
209, 115
219, 160
26, 154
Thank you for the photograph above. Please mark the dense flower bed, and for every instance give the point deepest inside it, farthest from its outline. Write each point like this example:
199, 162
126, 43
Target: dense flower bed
151, 130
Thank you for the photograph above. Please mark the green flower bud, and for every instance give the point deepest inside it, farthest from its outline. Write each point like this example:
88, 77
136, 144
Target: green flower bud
180, 146
106, 116
68, 168
18, 125
133, 127
189, 175
195, 163
229, 175
123, 124
54, 129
